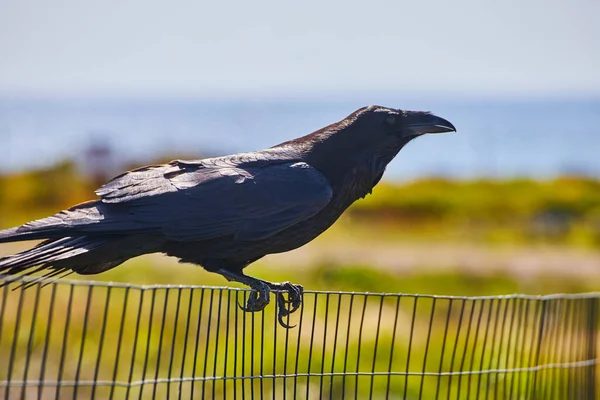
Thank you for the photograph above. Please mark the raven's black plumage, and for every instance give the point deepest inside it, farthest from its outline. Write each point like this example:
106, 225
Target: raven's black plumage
226, 212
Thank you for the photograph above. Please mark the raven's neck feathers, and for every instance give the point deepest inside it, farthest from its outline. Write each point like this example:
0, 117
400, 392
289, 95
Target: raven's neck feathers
348, 166
308, 142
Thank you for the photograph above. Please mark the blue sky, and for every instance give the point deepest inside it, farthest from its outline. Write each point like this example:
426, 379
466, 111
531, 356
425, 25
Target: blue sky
529, 48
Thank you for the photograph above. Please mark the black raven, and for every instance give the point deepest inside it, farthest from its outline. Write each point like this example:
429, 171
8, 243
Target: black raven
226, 212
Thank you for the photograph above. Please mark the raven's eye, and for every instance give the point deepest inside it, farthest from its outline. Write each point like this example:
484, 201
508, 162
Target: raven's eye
390, 119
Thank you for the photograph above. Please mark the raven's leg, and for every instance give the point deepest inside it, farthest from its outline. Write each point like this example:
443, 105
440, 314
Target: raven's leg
260, 295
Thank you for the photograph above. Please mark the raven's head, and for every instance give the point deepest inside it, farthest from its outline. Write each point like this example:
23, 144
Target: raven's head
374, 130
357, 149
389, 127
364, 142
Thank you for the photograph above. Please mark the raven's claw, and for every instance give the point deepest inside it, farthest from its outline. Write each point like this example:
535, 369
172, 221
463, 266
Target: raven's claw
260, 295
294, 300
258, 298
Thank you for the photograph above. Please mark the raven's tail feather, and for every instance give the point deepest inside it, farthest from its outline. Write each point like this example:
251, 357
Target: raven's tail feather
86, 239
45, 228
17, 235
69, 254
84, 217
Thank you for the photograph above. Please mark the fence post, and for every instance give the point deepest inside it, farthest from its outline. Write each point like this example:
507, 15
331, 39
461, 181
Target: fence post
592, 339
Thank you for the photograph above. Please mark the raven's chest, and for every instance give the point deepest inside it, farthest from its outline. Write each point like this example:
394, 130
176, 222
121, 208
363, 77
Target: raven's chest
304, 232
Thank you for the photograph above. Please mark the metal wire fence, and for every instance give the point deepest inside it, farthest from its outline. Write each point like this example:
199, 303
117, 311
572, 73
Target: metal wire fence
76, 339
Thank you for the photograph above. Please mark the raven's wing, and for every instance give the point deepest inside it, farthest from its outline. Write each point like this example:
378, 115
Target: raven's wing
197, 201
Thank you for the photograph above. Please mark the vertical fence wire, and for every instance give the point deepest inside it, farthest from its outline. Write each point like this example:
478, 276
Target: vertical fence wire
75, 339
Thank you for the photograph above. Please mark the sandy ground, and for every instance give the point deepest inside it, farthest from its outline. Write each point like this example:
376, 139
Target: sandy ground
521, 261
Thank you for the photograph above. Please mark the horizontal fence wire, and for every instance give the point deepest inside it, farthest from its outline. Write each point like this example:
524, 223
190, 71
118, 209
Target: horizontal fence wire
76, 339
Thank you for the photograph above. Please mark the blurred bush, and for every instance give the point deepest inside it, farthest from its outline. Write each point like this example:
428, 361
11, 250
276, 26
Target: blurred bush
34, 194
565, 209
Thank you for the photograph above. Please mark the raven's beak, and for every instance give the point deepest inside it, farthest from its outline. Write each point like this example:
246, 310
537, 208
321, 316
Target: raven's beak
420, 123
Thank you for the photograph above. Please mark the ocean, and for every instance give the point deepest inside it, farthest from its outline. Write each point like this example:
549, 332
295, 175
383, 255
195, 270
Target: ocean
496, 138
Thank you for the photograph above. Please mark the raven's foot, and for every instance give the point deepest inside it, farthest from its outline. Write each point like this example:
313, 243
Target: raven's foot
294, 299
260, 297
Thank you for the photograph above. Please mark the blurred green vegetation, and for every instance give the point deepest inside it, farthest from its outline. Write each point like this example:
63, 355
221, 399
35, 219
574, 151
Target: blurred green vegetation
565, 210
34, 194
